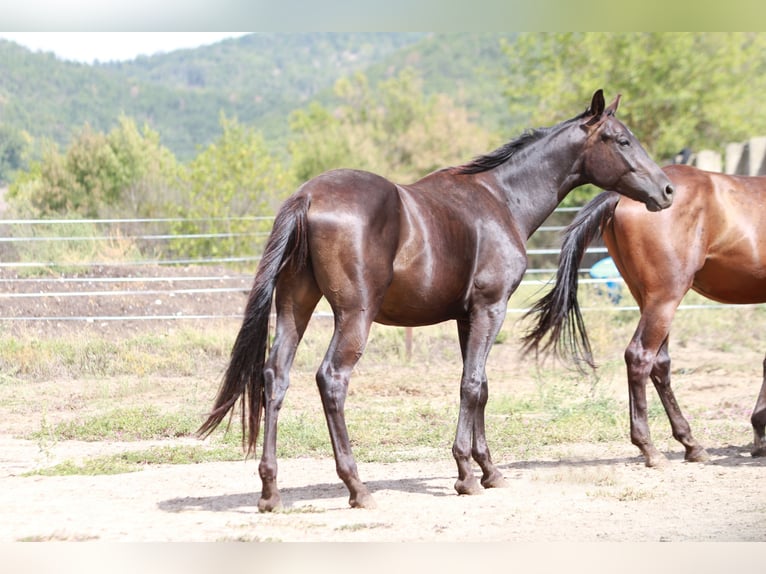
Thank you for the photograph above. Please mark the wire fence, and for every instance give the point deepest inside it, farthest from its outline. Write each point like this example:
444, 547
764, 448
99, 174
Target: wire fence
112, 271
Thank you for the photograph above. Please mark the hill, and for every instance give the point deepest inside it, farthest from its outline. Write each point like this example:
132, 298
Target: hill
257, 78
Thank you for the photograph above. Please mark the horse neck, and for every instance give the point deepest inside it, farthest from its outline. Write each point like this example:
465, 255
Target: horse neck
538, 177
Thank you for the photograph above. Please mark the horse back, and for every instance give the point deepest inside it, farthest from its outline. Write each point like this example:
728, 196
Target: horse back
712, 239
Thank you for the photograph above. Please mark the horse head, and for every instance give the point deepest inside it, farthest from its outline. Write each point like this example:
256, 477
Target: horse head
614, 159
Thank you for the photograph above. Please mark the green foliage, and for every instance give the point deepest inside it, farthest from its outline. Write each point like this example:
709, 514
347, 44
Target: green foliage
124, 171
696, 90
13, 147
394, 130
232, 180
258, 78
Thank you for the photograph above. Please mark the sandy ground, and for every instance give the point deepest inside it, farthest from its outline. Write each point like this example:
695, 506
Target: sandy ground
592, 496
568, 493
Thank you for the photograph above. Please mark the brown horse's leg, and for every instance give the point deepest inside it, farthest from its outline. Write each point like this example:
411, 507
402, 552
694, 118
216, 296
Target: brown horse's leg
640, 356
346, 346
476, 340
295, 301
758, 419
681, 430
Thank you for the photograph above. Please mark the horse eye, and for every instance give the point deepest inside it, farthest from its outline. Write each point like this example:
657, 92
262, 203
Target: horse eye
623, 142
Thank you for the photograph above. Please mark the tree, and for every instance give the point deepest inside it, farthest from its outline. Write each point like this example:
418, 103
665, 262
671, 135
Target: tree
124, 172
13, 145
696, 90
393, 129
230, 181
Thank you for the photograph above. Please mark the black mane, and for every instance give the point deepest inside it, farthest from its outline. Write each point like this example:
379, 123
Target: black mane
505, 152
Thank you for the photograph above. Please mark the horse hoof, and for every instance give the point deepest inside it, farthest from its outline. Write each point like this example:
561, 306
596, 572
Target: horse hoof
697, 455
468, 486
363, 501
657, 461
758, 452
495, 480
269, 504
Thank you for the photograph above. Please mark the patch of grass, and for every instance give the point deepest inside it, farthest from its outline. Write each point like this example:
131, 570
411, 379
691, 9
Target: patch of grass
306, 509
133, 461
91, 355
597, 476
416, 432
57, 537
355, 527
556, 414
247, 538
128, 424
66, 255
627, 494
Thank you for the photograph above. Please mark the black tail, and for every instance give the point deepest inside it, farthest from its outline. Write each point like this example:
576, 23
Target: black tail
287, 244
558, 314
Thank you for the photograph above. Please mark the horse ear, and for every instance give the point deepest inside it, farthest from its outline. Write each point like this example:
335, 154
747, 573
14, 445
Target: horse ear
612, 108
596, 108
597, 103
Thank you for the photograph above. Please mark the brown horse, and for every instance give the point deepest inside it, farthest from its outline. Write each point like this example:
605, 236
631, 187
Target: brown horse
712, 240
450, 246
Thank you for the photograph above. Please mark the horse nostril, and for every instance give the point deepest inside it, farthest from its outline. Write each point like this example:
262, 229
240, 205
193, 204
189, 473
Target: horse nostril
669, 191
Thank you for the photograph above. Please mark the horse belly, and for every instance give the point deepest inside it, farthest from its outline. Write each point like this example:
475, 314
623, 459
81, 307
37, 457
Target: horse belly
413, 301
744, 284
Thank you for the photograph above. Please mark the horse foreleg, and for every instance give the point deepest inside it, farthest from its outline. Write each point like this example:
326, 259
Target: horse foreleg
333, 377
476, 340
681, 430
639, 359
491, 476
758, 419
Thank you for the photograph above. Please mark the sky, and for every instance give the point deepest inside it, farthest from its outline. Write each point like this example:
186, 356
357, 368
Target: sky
112, 46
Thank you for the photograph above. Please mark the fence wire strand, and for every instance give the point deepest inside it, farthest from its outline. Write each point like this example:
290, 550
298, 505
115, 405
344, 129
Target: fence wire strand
31, 232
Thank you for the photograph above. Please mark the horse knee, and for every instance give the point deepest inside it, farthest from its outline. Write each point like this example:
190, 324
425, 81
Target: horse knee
638, 361
661, 365
332, 385
473, 390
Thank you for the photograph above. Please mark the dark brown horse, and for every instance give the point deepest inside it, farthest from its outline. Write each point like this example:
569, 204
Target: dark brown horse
450, 246
712, 240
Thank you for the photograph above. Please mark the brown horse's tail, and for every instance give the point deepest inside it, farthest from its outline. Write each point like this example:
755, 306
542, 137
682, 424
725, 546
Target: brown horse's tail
557, 315
287, 245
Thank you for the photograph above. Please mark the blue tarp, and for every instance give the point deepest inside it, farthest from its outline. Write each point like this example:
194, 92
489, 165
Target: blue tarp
606, 269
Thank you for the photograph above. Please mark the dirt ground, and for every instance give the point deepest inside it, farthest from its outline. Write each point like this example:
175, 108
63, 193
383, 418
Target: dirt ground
580, 493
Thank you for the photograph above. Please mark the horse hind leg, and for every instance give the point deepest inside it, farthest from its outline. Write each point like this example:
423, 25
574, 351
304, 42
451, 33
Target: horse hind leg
297, 296
660, 376
758, 419
345, 350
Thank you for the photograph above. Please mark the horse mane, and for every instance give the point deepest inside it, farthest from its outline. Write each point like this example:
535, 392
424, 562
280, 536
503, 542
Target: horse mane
508, 150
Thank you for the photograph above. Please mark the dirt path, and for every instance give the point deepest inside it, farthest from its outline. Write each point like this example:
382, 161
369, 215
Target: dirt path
592, 495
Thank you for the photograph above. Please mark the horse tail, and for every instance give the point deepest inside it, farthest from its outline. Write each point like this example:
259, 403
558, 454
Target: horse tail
287, 245
557, 314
